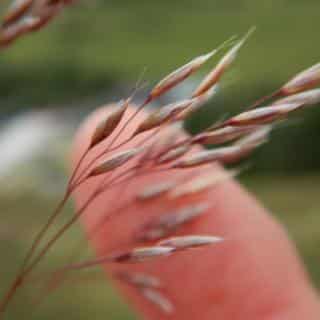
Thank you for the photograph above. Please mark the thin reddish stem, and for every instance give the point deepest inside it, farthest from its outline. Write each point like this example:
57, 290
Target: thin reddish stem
101, 188
108, 148
9, 295
273, 95
76, 169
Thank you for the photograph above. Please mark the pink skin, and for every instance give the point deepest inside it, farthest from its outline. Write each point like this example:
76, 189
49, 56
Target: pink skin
254, 274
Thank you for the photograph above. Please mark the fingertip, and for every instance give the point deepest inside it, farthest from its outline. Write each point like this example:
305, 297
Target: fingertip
255, 274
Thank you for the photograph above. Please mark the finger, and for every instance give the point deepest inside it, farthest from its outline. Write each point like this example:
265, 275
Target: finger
253, 274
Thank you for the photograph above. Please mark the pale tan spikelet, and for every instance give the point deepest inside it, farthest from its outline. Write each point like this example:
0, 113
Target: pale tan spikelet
307, 79
173, 154
250, 143
142, 254
139, 279
156, 190
214, 76
115, 161
306, 98
158, 299
263, 115
187, 242
167, 223
222, 135
162, 115
17, 9
208, 156
184, 215
179, 75
10, 33
255, 138
169, 137
202, 183
244, 152
107, 125
198, 103
46, 10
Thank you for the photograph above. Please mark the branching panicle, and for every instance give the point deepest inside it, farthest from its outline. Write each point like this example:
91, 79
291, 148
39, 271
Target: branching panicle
234, 140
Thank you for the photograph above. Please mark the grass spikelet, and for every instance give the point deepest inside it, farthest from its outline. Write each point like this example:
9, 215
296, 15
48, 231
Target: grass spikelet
179, 75
263, 115
159, 300
256, 137
208, 156
187, 242
136, 255
307, 79
182, 73
214, 76
169, 222
141, 280
306, 98
222, 135
115, 161
173, 154
107, 125
156, 190
198, 103
142, 254
202, 183
162, 115
13, 31
17, 9
168, 137
41, 12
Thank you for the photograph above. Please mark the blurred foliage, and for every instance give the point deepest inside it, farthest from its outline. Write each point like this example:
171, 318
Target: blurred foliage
93, 45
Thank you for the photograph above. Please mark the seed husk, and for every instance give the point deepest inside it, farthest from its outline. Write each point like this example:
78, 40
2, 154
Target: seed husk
115, 161
307, 79
187, 242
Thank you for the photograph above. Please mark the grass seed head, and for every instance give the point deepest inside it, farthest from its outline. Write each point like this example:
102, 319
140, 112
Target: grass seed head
305, 80
115, 161
263, 115
107, 125
168, 223
17, 9
139, 279
155, 190
179, 75
198, 103
222, 135
162, 115
208, 156
256, 138
187, 242
158, 299
202, 183
13, 31
142, 254
173, 154
306, 98
214, 76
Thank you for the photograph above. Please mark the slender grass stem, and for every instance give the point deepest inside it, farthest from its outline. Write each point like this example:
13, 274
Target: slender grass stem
268, 97
109, 147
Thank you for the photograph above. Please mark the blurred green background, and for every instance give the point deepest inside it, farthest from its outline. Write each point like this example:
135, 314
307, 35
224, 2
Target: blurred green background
97, 46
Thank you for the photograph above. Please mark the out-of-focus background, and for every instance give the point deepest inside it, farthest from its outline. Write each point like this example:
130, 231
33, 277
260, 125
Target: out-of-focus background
93, 54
